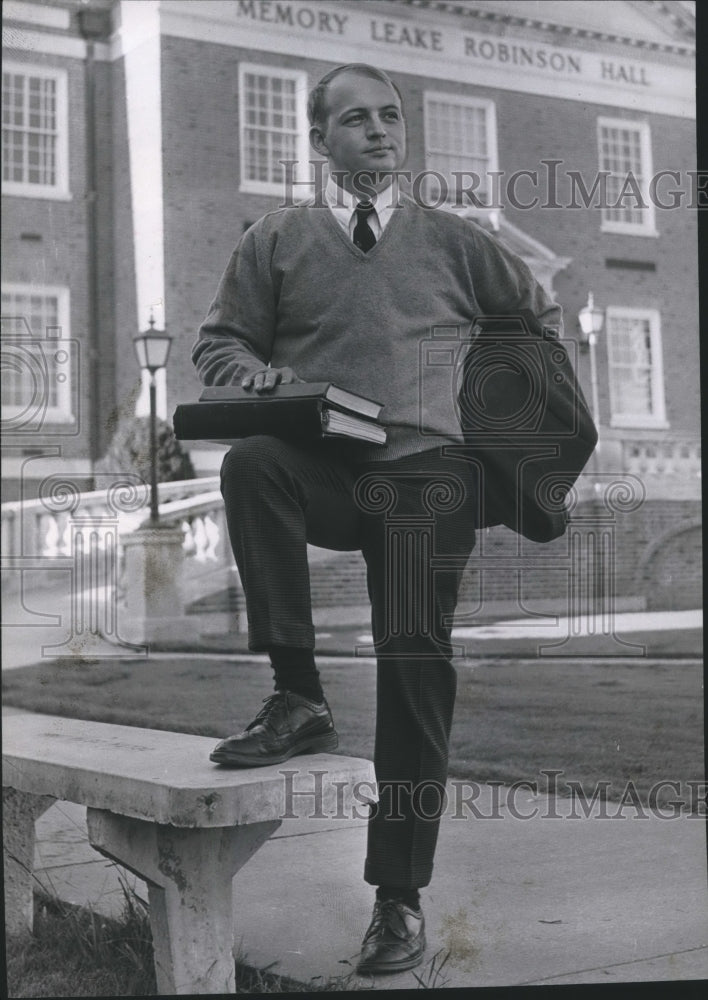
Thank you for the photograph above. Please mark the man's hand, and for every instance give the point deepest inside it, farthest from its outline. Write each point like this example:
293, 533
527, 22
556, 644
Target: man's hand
268, 378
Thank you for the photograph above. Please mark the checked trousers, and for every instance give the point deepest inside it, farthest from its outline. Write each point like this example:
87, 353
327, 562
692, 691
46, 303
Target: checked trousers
413, 520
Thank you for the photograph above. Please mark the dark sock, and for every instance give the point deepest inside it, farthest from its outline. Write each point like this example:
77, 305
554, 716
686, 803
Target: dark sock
295, 671
411, 897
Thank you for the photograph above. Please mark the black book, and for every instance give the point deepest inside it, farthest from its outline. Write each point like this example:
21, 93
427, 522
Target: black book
305, 414
334, 395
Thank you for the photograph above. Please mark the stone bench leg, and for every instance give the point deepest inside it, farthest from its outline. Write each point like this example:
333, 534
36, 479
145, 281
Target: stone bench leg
189, 873
19, 812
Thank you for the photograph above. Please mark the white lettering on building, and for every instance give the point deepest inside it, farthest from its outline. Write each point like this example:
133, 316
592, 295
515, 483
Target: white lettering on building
295, 16
406, 35
522, 55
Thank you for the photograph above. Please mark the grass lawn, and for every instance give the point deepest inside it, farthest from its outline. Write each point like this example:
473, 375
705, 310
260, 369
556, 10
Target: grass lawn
73, 952
596, 720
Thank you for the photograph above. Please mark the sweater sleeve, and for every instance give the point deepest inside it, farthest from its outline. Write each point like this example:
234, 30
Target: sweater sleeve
504, 285
236, 337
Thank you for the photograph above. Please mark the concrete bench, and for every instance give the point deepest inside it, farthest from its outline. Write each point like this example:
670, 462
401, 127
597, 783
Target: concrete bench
156, 805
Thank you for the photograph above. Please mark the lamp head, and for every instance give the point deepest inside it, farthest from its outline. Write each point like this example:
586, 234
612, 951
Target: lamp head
152, 347
590, 321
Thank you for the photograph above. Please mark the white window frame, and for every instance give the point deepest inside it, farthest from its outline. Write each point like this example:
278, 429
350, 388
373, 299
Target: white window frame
60, 190
649, 420
489, 108
647, 227
63, 412
302, 172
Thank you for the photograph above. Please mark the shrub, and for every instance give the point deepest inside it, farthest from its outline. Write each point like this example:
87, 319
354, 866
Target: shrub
129, 451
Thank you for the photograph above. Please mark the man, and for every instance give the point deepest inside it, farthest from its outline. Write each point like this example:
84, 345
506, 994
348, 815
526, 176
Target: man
346, 290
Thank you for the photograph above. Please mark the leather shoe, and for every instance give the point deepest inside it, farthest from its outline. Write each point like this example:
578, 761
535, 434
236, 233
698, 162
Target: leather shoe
288, 724
395, 940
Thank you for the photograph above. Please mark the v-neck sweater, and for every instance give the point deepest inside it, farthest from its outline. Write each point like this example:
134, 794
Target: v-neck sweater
391, 324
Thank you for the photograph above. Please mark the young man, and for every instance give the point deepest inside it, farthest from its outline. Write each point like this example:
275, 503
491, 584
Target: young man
345, 290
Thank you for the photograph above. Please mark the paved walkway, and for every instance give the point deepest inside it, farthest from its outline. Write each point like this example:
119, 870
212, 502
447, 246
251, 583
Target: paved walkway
527, 890
37, 624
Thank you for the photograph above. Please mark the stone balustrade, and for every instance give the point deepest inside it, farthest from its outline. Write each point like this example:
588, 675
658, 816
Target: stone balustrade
670, 466
100, 539
41, 528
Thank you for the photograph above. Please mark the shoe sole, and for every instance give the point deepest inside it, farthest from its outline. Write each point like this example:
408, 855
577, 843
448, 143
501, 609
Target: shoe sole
316, 744
381, 970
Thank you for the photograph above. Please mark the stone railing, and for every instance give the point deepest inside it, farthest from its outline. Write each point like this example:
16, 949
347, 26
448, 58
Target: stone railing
675, 460
668, 463
41, 529
87, 535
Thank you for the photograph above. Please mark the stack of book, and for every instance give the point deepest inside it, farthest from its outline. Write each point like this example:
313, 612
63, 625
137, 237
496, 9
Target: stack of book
298, 411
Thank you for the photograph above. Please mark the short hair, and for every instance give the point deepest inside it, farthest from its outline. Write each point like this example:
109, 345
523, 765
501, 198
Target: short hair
317, 101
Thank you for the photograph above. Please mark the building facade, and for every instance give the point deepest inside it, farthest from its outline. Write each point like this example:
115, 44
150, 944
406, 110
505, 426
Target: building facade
140, 139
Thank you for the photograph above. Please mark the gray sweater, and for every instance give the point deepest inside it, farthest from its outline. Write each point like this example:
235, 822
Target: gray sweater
390, 324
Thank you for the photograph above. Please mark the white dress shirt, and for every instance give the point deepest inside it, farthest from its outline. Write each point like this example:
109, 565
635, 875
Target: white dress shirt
343, 207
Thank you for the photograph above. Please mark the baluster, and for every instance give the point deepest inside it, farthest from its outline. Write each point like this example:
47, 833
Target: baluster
224, 553
189, 544
48, 535
9, 539
200, 540
211, 530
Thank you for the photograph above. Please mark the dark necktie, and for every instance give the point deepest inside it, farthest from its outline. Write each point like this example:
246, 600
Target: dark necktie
363, 233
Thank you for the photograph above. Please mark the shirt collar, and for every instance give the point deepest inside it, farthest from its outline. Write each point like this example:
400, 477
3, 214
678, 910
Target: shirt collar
342, 202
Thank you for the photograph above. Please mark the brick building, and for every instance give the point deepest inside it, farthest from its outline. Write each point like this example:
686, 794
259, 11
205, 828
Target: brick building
140, 138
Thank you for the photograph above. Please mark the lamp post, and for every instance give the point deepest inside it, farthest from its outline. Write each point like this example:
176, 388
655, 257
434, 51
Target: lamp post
590, 320
152, 348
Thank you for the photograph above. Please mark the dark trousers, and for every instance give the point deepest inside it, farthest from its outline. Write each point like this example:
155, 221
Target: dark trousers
413, 520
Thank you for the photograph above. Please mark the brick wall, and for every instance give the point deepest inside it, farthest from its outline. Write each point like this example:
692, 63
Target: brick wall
657, 554
670, 572
45, 243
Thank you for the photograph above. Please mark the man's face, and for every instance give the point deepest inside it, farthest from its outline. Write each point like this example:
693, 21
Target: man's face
364, 132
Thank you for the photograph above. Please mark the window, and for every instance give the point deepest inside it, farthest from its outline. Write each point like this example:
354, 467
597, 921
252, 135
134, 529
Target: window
460, 141
38, 358
34, 132
273, 118
625, 158
636, 370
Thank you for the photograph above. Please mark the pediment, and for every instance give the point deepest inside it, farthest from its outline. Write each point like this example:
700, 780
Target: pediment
658, 23
543, 262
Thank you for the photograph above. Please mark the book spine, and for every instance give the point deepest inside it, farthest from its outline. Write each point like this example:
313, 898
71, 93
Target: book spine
209, 421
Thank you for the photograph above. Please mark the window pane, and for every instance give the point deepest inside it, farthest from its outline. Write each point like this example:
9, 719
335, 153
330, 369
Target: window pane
270, 128
30, 129
29, 366
457, 140
631, 366
621, 155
